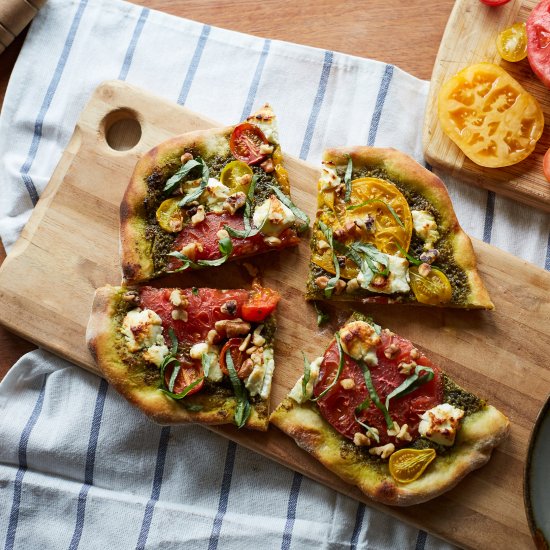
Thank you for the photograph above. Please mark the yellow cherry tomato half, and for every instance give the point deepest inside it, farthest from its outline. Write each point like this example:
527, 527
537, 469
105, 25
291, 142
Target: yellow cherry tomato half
280, 171
546, 165
512, 43
406, 465
433, 289
490, 116
170, 216
236, 175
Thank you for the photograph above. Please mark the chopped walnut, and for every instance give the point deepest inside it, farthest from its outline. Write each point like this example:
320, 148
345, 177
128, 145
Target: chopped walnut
266, 149
414, 354
232, 327
199, 216
322, 282
131, 296
229, 307
347, 383
180, 315
322, 245
352, 286
429, 256
340, 286
212, 337
245, 342
246, 368
258, 340
391, 351
190, 250
361, 440
406, 368
383, 451
267, 165
272, 241
404, 434
186, 157
424, 269
177, 299
251, 350
222, 234
234, 202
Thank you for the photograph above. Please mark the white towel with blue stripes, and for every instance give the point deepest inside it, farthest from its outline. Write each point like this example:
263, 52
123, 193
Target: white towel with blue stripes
81, 468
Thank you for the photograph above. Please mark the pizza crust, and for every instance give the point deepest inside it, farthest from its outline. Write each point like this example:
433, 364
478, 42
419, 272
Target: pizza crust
400, 167
106, 346
479, 434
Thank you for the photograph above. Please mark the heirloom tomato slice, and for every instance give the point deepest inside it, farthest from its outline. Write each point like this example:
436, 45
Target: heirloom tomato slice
237, 356
494, 2
433, 289
489, 115
170, 216
232, 176
512, 43
538, 41
246, 141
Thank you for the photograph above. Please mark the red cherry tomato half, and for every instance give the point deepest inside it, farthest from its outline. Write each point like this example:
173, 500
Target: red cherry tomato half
538, 41
238, 357
261, 303
495, 2
246, 141
546, 165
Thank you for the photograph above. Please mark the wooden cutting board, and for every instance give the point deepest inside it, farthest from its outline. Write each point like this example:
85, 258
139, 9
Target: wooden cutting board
470, 37
70, 247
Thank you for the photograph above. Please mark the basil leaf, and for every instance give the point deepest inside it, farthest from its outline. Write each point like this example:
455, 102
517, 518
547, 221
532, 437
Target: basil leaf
194, 195
241, 233
185, 390
185, 260
206, 361
192, 407
242, 412
363, 405
180, 175
226, 248
172, 381
247, 215
411, 259
307, 374
338, 372
374, 396
195, 291
174, 340
327, 233
386, 204
322, 317
370, 431
347, 180
300, 214
410, 384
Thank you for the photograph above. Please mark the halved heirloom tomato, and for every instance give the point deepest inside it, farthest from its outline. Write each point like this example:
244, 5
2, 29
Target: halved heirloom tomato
538, 41
261, 303
246, 141
232, 176
238, 357
512, 43
374, 204
490, 116
170, 216
406, 465
433, 289
189, 372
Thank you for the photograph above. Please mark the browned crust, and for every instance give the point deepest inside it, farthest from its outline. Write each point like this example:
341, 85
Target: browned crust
104, 344
406, 170
479, 434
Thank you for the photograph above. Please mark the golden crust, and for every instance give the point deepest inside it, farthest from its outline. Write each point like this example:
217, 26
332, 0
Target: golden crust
102, 336
400, 167
479, 434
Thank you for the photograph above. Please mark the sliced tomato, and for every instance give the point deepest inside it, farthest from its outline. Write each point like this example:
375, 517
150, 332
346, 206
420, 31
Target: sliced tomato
546, 165
512, 43
261, 303
238, 357
189, 372
246, 141
339, 405
494, 2
538, 41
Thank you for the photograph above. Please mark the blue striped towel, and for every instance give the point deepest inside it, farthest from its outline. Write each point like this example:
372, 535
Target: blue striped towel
79, 467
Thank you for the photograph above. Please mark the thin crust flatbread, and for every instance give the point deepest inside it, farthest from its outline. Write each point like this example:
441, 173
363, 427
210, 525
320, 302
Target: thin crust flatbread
412, 180
140, 384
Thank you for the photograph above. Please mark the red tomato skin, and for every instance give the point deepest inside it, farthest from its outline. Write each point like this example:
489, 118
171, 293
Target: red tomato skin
244, 143
262, 303
538, 41
338, 405
188, 373
494, 2
546, 165
237, 355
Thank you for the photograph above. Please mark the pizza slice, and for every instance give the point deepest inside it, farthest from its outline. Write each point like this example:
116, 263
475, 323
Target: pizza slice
378, 413
188, 355
202, 198
386, 232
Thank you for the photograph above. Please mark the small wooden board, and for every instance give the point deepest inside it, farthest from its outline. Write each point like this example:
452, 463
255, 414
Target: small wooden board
70, 247
470, 37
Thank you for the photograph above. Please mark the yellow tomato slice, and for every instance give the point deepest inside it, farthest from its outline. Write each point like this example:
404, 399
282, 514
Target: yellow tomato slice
280, 171
170, 216
376, 202
432, 289
406, 465
512, 43
232, 176
490, 116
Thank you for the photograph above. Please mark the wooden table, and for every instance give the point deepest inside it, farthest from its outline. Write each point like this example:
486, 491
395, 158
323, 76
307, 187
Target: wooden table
406, 34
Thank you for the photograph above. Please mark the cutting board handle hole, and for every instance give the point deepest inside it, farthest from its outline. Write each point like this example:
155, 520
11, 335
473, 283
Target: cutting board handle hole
122, 129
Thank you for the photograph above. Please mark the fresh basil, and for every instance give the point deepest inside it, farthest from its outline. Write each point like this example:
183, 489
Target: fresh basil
411, 259
173, 340
194, 195
366, 256
347, 180
370, 430
195, 291
412, 383
327, 233
363, 405
225, 246
300, 214
247, 215
181, 175
322, 317
185, 390
206, 361
338, 372
374, 396
306, 376
242, 412
386, 204
172, 381
192, 407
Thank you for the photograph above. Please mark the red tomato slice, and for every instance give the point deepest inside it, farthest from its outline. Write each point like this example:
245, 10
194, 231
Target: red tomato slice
494, 2
338, 405
546, 165
245, 143
261, 303
238, 357
538, 41
188, 373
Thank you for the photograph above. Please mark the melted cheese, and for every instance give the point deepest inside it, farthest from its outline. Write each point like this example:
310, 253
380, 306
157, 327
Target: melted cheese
425, 227
396, 282
329, 178
215, 194
142, 328
269, 128
440, 423
156, 354
296, 393
273, 217
359, 340
201, 348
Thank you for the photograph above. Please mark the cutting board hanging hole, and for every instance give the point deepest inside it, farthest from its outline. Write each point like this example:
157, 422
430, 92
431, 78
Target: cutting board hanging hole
121, 129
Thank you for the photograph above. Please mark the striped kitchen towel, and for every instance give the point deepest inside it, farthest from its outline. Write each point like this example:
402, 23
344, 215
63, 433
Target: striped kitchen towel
79, 467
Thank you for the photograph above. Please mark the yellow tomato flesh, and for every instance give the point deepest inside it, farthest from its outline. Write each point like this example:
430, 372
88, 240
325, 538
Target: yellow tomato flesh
406, 465
170, 216
232, 176
371, 199
490, 116
433, 289
512, 43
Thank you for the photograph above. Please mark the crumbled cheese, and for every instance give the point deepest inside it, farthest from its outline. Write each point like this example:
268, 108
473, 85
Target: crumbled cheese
269, 128
396, 281
268, 377
255, 379
215, 373
156, 354
425, 227
359, 340
215, 194
296, 393
204, 348
142, 329
197, 350
176, 298
440, 423
329, 178
273, 217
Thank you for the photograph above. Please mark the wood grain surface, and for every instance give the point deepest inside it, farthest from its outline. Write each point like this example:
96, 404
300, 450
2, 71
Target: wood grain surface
388, 30
70, 247
470, 37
